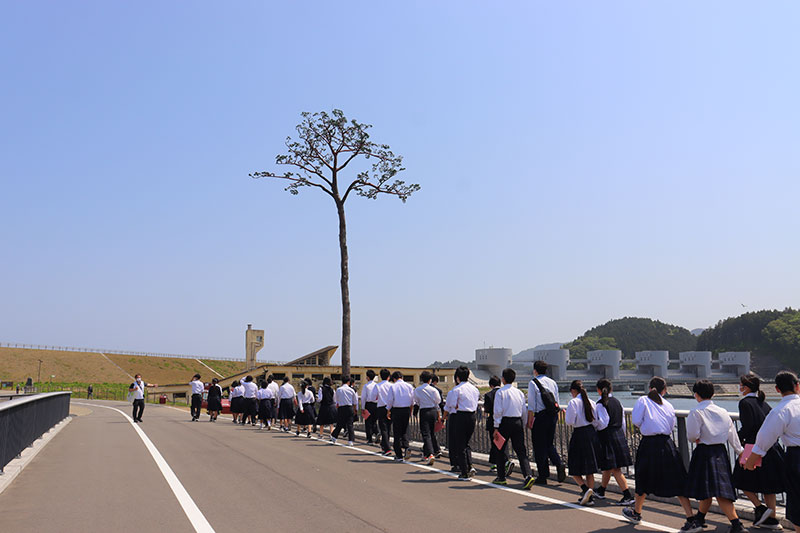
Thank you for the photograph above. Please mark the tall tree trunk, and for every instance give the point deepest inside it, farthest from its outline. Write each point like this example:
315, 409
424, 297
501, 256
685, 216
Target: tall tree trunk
345, 290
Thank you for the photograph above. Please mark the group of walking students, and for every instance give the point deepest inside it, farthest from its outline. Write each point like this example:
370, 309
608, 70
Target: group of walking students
598, 443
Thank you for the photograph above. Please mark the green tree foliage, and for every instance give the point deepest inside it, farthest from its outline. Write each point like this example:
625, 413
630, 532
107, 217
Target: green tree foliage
784, 334
587, 343
631, 335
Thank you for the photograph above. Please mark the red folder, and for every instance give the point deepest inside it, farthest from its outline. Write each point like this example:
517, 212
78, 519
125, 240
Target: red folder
499, 440
748, 449
364, 414
437, 427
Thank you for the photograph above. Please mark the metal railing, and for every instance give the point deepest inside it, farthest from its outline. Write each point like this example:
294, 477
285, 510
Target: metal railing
25, 419
481, 441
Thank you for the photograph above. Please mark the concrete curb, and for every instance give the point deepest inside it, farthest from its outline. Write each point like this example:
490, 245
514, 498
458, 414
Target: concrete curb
13, 469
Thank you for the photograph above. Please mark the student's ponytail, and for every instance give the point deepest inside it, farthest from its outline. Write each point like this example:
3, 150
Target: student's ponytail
588, 412
657, 387
753, 382
604, 386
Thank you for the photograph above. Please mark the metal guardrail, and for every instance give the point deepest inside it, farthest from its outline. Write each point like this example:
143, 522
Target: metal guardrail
25, 419
481, 439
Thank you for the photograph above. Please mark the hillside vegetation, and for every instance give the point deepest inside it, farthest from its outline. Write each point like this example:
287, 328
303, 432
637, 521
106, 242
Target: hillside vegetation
632, 335
18, 364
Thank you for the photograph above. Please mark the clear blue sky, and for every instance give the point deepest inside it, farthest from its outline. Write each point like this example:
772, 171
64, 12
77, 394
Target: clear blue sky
578, 161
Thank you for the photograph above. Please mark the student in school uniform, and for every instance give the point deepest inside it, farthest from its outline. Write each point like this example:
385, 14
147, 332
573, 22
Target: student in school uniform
709, 476
583, 444
346, 401
615, 453
543, 430
783, 422
288, 402
449, 409
197, 387
304, 418
768, 478
508, 419
327, 408
659, 467
235, 396
384, 424
214, 400
496, 457
463, 404
249, 402
427, 399
369, 403
137, 390
435, 385
313, 390
263, 404
399, 407
274, 388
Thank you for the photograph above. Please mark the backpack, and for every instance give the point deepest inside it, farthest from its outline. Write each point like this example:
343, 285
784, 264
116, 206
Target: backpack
549, 401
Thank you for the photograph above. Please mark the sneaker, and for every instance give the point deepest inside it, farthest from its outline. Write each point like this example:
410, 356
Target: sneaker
308, 435
691, 526
700, 520
738, 528
625, 501
590, 502
509, 468
562, 473
762, 512
631, 515
464, 477
398, 459
407, 454
332, 441
586, 496
349, 443
387, 453
297, 433
540, 481
528, 483
437, 454
771, 523
498, 481
430, 460
472, 472
600, 493
493, 468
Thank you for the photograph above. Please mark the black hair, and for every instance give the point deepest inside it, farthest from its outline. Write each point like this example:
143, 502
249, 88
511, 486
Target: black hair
385, 373
326, 381
371, 374
214, 380
587, 406
509, 375
604, 386
269, 378
345, 379
286, 379
425, 376
303, 385
494, 381
786, 381
235, 383
196, 376
462, 373
248, 379
540, 367
308, 381
703, 388
753, 382
397, 375
657, 386
434, 378
262, 384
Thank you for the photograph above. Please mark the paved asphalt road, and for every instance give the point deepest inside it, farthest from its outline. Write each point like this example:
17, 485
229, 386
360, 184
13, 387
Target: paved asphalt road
98, 475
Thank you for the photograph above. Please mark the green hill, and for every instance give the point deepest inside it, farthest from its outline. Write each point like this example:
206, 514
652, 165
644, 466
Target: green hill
632, 334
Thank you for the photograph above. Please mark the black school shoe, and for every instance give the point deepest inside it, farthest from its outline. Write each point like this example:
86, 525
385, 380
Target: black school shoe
600, 493
631, 515
562, 473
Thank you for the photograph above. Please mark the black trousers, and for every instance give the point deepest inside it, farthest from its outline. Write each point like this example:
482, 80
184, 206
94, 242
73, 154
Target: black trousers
385, 425
542, 434
138, 406
464, 428
400, 417
496, 457
344, 420
511, 429
197, 403
451, 439
427, 422
371, 424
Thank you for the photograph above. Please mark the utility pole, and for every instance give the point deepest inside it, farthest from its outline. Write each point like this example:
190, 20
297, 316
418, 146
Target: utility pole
39, 375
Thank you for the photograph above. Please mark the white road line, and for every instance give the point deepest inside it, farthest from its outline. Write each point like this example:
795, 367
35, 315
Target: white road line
524, 493
193, 513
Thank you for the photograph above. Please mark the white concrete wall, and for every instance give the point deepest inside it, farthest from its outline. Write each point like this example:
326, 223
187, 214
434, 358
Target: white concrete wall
605, 362
697, 363
736, 363
493, 359
557, 361
653, 362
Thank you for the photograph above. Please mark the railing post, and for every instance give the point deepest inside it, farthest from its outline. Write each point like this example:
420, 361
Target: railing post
683, 441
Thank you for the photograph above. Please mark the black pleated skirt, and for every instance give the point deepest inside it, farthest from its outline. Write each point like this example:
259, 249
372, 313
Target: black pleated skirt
327, 415
792, 480
766, 479
264, 409
286, 409
214, 404
306, 416
710, 473
583, 450
615, 452
659, 467
237, 404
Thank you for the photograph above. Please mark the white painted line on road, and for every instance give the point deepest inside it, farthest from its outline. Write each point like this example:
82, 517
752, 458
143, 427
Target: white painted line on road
524, 493
193, 513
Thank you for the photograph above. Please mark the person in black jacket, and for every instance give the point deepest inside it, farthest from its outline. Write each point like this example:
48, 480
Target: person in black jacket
327, 408
496, 457
614, 451
768, 479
